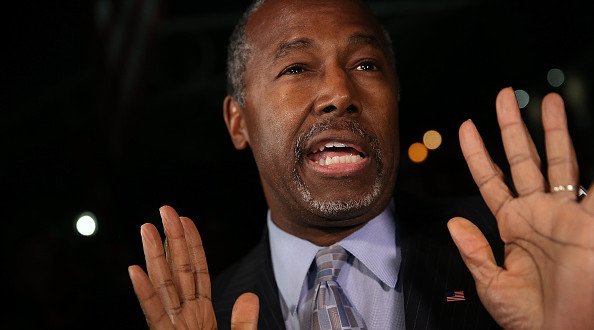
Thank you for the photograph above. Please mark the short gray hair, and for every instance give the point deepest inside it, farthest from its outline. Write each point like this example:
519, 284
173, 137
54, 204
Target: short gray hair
238, 53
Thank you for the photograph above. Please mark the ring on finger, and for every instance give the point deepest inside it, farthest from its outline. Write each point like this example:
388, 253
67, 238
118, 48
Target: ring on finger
563, 188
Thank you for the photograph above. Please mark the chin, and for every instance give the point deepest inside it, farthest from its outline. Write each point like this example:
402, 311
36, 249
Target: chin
342, 209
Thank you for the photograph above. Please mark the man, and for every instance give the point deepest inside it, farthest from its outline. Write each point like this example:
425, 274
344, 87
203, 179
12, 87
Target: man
314, 95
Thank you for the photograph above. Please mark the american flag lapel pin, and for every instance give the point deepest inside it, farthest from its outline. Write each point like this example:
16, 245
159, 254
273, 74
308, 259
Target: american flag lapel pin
457, 295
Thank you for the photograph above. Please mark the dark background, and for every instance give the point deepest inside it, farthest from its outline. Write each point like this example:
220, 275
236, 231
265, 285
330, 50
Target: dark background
114, 107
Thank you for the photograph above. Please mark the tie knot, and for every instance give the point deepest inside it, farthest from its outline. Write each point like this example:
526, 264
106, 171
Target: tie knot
329, 260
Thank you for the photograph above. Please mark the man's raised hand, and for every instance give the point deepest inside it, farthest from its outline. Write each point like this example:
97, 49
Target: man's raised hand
547, 279
176, 292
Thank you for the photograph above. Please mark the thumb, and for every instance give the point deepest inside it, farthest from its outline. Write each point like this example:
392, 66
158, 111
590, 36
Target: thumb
245, 312
474, 249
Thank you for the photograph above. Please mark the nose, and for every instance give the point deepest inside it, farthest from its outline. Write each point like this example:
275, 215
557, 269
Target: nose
335, 94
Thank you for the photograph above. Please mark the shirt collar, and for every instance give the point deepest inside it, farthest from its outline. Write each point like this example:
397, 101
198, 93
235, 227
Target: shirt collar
374, 245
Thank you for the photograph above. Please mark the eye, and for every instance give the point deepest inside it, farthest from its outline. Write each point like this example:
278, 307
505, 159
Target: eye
367, 66
293, 69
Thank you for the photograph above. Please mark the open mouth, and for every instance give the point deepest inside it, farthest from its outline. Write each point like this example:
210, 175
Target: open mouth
336, 152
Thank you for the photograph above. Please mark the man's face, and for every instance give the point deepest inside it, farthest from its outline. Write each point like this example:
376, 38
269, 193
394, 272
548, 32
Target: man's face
321, 112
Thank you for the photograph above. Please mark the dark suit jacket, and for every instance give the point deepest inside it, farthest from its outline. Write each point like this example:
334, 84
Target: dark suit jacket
431, 266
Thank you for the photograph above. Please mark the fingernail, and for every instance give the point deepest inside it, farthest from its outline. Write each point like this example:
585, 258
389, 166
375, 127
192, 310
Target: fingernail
167, 222
147, 238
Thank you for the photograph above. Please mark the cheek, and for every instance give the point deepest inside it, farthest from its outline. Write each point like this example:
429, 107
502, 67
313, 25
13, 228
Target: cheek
383, 114
273, 129
382, 109
281, 108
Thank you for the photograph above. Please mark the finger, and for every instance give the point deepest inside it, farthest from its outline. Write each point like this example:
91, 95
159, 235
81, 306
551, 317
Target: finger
151, 305
158, 270
474, 249
487, 176
178, 255
561, 159
519, 147
197, 258
244, 315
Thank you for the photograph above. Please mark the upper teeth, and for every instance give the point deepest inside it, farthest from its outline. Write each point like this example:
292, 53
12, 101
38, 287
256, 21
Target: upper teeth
332, 144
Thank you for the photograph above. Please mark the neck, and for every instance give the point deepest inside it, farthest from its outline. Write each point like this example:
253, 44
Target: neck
318, 235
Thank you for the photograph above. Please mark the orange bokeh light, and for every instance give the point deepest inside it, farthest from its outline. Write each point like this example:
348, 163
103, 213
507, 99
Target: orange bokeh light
417, 152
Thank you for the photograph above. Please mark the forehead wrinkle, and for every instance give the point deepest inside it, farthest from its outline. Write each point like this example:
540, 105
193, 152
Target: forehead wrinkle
286, 48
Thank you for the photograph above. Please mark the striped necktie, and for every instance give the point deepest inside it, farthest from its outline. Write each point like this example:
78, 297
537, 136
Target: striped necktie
331, 308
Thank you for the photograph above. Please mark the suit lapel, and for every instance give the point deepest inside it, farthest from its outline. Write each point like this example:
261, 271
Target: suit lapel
252, 274
265, 286
431, 269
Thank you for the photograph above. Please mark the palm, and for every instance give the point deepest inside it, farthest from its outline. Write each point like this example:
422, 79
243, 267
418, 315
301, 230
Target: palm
548, 272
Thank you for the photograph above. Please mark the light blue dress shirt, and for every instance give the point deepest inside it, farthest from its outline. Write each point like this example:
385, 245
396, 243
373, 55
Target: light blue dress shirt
369, 279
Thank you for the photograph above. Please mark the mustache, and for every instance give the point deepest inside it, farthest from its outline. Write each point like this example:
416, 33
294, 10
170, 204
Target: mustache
327, 124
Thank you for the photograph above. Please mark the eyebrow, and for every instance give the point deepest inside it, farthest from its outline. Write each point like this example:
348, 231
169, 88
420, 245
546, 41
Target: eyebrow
365, 39
286, 47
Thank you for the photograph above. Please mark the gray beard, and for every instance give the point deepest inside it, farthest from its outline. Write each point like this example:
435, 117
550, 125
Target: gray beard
337, 209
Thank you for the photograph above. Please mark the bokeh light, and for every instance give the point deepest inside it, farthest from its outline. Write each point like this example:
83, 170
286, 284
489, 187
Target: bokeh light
432, 139
522, 97
417, 152
555, 77
86, 224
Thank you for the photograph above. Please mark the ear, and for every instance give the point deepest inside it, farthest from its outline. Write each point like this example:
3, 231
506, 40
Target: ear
235, 120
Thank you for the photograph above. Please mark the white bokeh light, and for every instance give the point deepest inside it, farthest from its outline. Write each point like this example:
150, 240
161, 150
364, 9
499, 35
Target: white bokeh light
86, 224
522, 97
555, 77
